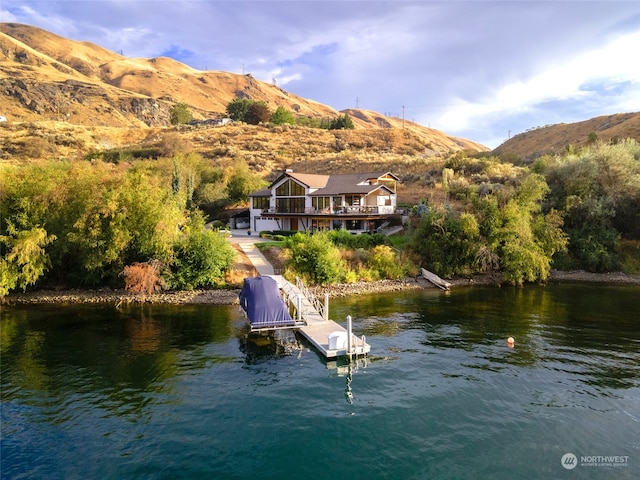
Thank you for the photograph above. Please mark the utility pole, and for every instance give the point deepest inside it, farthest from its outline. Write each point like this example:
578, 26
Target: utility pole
357, 103
403, 117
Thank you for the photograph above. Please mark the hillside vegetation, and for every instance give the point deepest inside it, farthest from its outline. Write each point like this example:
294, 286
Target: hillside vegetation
105, 221
555, 139
99, 189
48, 77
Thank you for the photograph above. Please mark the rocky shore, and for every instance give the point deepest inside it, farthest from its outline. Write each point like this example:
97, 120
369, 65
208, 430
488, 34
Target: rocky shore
121, 297
230, 297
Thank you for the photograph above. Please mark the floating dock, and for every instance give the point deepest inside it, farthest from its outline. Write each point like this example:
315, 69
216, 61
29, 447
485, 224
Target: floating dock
329, 337
435, 279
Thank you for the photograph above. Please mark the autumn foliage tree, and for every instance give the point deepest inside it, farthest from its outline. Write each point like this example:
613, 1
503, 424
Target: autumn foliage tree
144, 277
258, 113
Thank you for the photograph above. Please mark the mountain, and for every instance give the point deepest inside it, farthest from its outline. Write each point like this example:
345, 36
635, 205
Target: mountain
48, 77
551, 139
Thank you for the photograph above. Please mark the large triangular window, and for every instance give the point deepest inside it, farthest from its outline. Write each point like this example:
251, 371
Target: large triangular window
290, 189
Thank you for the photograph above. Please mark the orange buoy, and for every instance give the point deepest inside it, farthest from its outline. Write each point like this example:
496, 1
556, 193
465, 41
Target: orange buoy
511, 342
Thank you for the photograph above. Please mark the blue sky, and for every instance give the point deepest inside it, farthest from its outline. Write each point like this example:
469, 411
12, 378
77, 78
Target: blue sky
481, 70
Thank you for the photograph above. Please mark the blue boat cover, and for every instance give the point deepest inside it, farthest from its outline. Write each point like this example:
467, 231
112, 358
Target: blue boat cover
260, 299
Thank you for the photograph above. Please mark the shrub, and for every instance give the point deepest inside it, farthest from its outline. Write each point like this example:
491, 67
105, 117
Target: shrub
180, 114
173, 144
341, 122
144, 277
282, 116
316, 258
201, 260
258, 113
386, 262
238, 108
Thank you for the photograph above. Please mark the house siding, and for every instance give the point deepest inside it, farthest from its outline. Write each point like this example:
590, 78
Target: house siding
359, 202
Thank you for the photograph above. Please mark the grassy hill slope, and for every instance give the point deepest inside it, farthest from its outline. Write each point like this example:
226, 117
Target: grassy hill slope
556, 138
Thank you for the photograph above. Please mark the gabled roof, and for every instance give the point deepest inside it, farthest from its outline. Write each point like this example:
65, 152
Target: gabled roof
327, 185
310, 180
265, 192
353, 183
339, 188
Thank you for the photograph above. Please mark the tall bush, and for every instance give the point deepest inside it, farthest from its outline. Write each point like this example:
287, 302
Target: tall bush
202, 257
24, 259
315, 258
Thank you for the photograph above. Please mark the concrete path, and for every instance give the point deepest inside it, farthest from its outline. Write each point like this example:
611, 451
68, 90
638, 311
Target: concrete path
248, 245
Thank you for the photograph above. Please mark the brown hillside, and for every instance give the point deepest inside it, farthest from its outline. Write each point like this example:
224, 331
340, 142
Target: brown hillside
439, 141
35, 86
556, 138
48, 77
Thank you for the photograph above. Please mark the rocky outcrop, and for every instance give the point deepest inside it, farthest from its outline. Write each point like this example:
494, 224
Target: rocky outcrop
60, 100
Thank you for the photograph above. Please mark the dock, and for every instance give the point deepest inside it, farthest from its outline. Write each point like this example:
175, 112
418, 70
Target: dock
328, 337
311, 315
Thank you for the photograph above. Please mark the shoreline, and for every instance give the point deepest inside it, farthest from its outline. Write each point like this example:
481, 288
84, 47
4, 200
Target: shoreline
119, 297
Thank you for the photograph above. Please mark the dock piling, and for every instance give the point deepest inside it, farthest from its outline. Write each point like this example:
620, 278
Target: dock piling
326, 306
349, 337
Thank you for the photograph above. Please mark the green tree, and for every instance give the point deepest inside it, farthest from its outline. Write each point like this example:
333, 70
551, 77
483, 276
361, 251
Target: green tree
282, 116
242, 182
24, 259
237, 109
180, 114
597, 191
447, 241
342, 122
520, 235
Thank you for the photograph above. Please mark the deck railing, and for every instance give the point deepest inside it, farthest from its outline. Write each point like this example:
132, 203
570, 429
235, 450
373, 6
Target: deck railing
349, 210
317, 304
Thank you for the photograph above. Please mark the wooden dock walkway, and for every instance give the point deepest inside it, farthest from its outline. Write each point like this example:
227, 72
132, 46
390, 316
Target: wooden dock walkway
329, 337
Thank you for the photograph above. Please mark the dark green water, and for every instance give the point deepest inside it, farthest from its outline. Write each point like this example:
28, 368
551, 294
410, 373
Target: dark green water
181, 392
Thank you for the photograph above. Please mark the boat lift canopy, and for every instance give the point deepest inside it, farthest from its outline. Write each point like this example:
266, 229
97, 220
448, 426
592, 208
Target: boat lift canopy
261, 301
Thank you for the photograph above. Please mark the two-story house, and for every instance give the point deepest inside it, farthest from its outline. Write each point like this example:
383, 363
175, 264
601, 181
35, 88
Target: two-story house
358, 202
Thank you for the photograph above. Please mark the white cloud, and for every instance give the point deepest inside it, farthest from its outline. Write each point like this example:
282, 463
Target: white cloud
575, 79
476, 69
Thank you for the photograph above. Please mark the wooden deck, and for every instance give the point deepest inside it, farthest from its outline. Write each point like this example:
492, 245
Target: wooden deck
319, 330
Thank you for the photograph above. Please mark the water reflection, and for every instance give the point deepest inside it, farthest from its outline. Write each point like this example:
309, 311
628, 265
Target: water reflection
119, 358
181, 392
259, 347
600, 323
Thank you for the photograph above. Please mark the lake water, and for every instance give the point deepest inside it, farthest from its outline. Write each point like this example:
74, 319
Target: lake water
167, 392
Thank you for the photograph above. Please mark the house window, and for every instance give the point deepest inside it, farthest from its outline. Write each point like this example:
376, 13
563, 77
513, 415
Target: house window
352, 200
320, 203
320, 224
260, 202
290, 205
290, 189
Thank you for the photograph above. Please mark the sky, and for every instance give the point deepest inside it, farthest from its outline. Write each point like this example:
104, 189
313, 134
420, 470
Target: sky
481, 70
